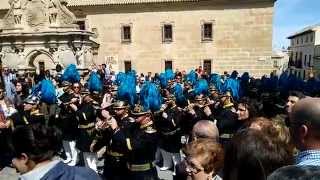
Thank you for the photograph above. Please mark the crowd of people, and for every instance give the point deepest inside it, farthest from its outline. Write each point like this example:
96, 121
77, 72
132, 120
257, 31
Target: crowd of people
199, 126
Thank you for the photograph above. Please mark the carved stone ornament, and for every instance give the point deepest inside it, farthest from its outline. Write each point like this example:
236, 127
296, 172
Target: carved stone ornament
37, 15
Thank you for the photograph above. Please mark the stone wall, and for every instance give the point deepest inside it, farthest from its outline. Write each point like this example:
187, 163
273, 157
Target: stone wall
242, 35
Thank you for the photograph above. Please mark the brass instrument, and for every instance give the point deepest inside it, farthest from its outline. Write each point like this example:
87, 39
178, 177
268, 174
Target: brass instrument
199, 106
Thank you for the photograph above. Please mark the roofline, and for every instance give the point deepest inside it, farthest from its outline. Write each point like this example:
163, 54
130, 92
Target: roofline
305, 30
301, 33
149, 2
159, 2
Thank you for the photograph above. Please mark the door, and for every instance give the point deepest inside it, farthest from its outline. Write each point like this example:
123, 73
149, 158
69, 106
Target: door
41, 66
207, 66
127, 66
167, 65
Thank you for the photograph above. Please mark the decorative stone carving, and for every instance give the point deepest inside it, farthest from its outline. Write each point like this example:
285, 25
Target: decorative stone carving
21, 54
7, 50
35, 15
30, 32
80, 55
66, 56
10, 57
88, 56
17, 10
38, 15
14, 15
55, 55
65, 16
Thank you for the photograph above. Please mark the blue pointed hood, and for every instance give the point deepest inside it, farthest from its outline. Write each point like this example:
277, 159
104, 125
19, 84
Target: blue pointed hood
150, 97
94, 83
201, 87
127, 88
71, 74
48, 92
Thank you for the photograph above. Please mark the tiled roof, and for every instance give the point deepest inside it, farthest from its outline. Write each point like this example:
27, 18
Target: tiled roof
71, 3
118, 2
304, 30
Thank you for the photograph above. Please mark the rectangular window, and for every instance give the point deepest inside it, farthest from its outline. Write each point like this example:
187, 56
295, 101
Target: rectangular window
207, 66
126, 33
305, 60
207, 32
310, 60
296, 56
297, 40
307, 39
127, 66
167, 33
311, 38
167, 64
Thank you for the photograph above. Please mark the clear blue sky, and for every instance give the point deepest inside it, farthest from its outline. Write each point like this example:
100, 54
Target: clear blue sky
291, 16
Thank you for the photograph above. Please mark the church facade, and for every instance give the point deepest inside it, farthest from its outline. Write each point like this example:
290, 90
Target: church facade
152, 35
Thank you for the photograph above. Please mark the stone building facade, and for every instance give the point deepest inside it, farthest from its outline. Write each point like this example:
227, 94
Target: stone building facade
280, 61
304, 52
39, 34
151, 35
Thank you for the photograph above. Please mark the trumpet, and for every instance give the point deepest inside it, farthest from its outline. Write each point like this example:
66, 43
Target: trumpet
167, 105
192, 106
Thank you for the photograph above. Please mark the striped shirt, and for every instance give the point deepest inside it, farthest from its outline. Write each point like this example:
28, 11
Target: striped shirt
309, 157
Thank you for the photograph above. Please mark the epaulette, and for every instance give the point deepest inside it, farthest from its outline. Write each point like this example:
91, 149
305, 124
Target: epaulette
150, 130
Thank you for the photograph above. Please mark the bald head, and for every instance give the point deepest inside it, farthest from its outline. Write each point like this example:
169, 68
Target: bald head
205, 129
306, 112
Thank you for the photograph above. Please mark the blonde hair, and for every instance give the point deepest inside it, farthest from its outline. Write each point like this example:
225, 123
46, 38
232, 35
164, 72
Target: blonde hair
210, 153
